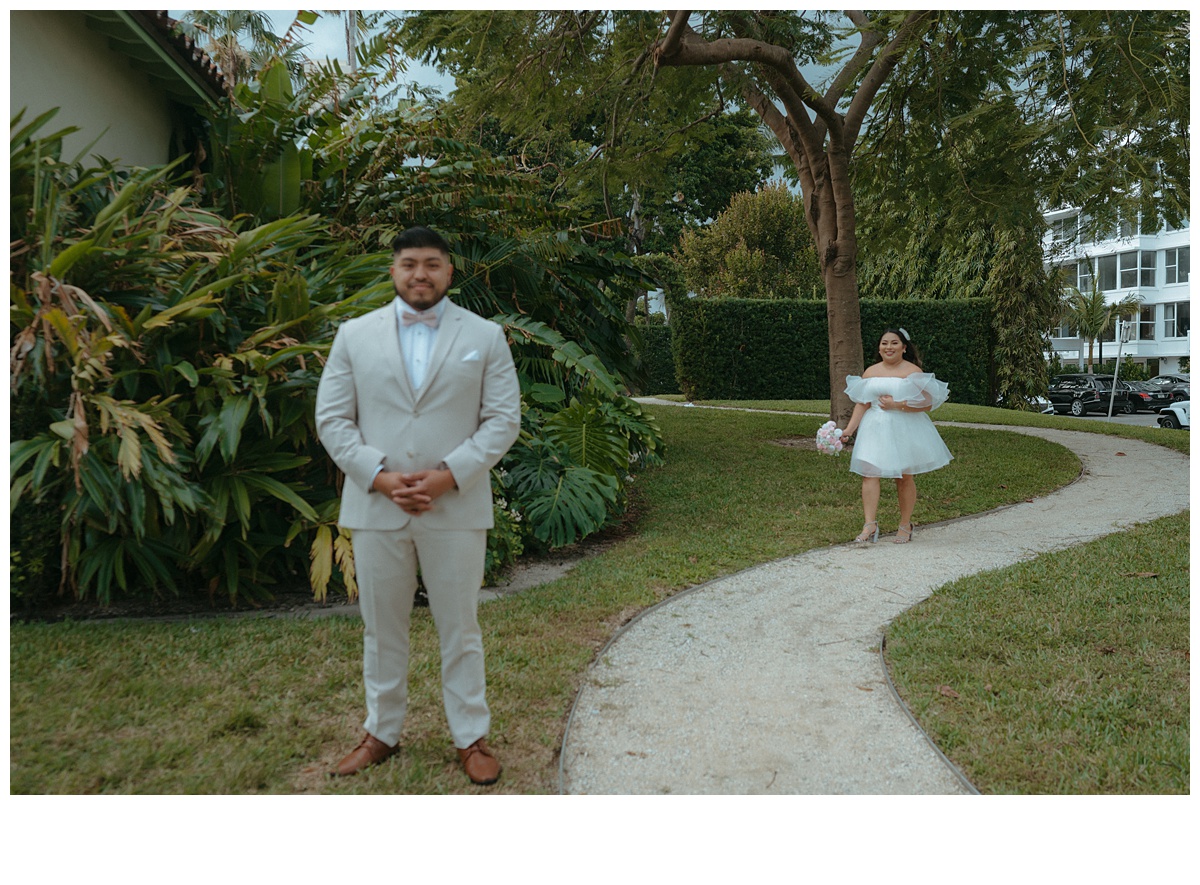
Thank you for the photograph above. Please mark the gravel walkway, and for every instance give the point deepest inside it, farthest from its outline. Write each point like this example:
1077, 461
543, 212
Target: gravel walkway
770, 680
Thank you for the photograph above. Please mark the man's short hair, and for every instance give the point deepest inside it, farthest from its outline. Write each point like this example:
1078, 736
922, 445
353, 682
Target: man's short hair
419, 238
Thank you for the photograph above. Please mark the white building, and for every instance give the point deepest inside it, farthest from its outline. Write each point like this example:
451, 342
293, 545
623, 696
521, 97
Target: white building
130, 85
1154, 265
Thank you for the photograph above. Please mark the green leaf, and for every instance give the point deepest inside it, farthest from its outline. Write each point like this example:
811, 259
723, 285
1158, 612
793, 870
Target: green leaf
278, 490
196, 299
20, 484
281, 183
239, 495
66, 331
590, 437
65, 429
188, 371
546, 394
230, 422
573, 508
68, 257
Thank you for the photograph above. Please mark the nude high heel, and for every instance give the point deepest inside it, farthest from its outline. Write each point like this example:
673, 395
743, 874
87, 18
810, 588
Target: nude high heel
867, 535
903, 535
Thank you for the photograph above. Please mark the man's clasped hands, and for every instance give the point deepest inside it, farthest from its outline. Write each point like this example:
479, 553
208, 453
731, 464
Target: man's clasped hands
414, 493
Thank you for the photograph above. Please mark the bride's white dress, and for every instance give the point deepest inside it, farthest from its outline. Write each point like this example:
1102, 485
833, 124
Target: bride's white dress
893, 443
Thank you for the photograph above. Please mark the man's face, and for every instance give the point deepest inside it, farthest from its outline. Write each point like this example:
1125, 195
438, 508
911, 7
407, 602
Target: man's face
421, 276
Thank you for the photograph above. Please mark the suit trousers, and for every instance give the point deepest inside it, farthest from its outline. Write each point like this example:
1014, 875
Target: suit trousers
451, 564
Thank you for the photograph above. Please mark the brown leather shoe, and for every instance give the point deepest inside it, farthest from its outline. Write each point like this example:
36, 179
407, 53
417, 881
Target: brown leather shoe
371, 751
479, 763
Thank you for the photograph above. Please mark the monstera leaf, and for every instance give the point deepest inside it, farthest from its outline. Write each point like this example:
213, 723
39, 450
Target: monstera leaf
574, 506
590, 436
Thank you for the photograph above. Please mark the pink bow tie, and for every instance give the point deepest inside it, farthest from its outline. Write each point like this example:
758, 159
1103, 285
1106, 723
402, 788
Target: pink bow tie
430, 319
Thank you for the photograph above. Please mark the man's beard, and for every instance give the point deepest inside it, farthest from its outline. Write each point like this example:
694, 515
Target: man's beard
434, 297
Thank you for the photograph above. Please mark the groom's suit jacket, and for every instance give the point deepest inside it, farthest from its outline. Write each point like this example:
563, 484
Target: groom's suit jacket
466, 414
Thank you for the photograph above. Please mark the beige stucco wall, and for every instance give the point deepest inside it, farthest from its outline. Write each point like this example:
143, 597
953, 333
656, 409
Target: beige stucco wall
56, 61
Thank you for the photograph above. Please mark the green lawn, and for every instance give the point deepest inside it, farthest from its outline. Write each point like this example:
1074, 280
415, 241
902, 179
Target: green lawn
1067, 674
268, 705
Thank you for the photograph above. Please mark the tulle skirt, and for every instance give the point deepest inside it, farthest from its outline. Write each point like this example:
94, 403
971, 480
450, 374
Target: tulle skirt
894, 443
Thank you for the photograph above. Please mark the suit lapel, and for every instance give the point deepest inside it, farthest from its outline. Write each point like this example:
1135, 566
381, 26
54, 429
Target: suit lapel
448, 330
389, 343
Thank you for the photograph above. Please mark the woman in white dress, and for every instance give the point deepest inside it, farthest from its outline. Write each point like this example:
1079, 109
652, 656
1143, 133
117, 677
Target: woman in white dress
893, 435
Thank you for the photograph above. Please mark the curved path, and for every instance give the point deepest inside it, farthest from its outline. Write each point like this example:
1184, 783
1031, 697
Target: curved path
770, 680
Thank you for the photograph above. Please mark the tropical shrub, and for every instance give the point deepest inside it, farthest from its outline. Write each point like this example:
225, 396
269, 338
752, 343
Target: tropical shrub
505, 540
174, 376
559, 294
165, 362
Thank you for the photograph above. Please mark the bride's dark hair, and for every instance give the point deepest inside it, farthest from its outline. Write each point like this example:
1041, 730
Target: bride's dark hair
910, 350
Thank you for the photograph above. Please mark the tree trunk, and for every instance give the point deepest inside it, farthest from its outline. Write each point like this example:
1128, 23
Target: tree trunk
819, 138
845, 338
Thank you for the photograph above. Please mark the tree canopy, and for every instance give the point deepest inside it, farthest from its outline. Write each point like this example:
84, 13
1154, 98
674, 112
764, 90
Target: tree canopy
759, 247
570, 95
957, 107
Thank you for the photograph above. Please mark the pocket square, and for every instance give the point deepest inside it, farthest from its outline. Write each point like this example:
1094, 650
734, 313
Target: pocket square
472, 357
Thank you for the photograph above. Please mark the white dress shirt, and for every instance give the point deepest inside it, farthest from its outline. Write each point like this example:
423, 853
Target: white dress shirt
417, 340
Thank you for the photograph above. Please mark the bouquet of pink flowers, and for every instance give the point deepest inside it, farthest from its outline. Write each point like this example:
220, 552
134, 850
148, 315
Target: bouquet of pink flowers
829, 439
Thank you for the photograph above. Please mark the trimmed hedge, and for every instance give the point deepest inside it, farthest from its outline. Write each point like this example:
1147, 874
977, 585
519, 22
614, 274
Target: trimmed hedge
656, 360
751, 349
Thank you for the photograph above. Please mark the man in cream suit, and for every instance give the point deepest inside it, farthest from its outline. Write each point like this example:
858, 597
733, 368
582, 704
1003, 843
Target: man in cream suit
418, 401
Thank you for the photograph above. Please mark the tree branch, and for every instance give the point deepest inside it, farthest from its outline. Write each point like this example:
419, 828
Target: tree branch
870, 39
684, 47
914, 25
670, 43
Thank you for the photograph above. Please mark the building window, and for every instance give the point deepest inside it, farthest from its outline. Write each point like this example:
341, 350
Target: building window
1101, 230
1129, 269
1149, 267
1087, 229
1106, 271
1065, 274
1177, 319
1083, 275
1178, 265
1145, 330
1128, 227
1065, 229
1064, 330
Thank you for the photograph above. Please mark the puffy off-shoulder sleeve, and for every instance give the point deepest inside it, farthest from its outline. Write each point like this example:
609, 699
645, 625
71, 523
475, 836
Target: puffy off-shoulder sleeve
856, 389
923, 389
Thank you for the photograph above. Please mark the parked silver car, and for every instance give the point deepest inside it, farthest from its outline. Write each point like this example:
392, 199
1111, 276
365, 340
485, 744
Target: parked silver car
1177, 384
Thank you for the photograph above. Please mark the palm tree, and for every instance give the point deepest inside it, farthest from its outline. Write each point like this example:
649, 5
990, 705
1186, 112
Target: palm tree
1093, 316
222, 29
359, 25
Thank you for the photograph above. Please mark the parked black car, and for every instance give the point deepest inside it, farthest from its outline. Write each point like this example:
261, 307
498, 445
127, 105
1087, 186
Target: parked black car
1079, 394
1178, 385
1146, 397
